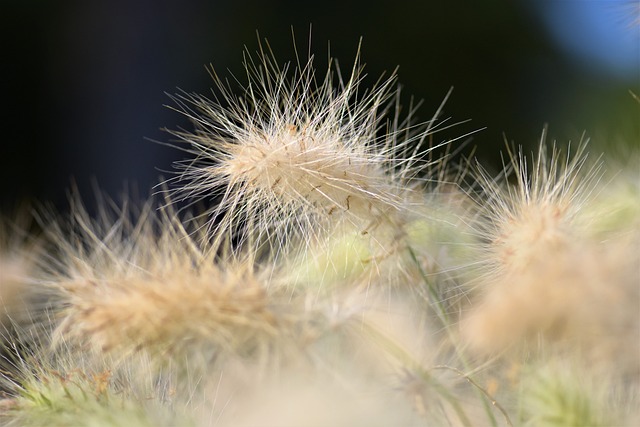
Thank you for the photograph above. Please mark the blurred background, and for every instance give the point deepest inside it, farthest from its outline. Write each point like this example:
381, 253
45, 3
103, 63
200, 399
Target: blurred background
85, 83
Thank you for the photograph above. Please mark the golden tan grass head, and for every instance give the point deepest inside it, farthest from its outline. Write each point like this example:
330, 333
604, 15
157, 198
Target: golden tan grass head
139, 281
291, 149
168, 310
583, 295
538, 215
547, 274
297, 152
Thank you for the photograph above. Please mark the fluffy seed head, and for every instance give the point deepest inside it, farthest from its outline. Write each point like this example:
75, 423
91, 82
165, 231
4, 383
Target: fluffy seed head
548, 275
540, 214
560, 394
61, 387
168, 310
294, 152
144, 284
582, 298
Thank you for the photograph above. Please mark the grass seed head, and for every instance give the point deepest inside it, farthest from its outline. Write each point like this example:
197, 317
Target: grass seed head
539, 216
61, 387
129, 282
296, 152
548, 274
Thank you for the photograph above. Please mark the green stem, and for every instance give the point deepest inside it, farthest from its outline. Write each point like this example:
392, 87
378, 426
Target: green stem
443, 316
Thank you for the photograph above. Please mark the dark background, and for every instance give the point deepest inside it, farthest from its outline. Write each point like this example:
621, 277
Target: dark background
83, 82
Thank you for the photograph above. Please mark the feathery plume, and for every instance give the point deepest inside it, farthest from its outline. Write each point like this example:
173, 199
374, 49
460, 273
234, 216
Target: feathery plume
143, 283
547, 275
539, 215
296, 153
140, 282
